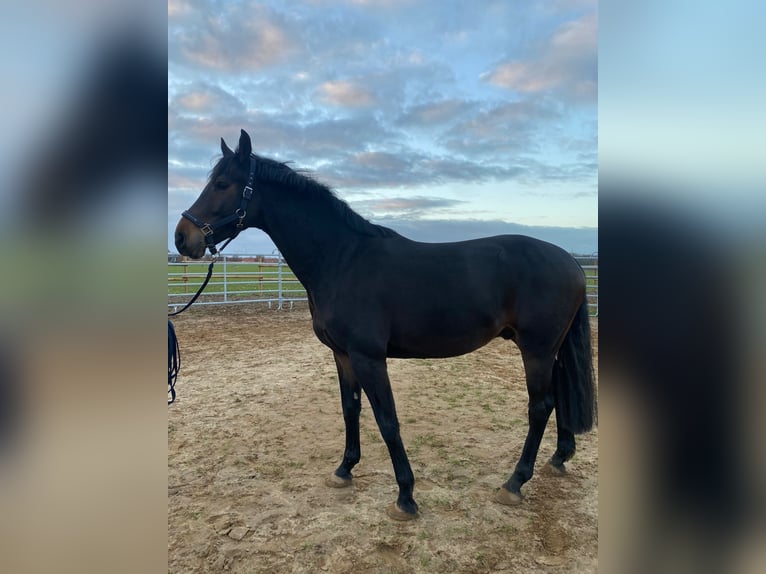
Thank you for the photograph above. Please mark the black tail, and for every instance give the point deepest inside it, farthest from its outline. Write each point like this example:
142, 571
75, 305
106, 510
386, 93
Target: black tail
573, 382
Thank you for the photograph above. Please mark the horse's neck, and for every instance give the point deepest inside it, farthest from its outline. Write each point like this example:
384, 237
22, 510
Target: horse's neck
309, 237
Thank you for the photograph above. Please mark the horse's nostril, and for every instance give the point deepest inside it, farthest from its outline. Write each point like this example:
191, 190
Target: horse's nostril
179, 239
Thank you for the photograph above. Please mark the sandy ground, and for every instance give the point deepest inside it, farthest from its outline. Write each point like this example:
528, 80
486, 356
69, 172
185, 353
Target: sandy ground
257, 428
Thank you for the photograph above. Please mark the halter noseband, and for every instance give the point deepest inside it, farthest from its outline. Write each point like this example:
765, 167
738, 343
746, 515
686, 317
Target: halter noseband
208, 229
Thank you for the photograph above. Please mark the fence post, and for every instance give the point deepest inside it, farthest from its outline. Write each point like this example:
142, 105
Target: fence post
279, 283
589, 264
225, 282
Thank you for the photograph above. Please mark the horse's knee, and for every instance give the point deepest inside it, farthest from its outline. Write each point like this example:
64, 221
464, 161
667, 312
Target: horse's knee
389, 430
537, 409
351, 412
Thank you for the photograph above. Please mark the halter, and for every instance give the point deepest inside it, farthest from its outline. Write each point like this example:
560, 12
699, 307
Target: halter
209, 229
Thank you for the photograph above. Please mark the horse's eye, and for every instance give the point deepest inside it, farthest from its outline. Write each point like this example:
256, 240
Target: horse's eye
221, 184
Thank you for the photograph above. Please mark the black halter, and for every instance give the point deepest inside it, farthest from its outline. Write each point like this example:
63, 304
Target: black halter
209, 229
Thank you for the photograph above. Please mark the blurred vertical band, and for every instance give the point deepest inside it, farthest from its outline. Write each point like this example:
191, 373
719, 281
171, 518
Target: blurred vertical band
682, 216
82, 223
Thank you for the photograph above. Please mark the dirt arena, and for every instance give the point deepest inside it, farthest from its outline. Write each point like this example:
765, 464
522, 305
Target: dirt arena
257, 428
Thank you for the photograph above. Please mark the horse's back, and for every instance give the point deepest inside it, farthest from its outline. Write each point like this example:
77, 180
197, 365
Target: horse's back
473, 275
506, 261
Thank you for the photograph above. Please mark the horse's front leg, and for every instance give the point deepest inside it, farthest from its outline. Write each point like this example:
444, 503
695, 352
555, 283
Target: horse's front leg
351, 402
373, 378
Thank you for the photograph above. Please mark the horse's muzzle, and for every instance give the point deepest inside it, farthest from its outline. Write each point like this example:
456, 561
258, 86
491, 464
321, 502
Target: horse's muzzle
189, 242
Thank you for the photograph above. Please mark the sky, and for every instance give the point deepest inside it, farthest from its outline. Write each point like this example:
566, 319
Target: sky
443, 120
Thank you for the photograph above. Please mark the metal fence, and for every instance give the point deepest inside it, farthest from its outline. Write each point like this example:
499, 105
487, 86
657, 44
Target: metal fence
267, 279
236, 279
590, 266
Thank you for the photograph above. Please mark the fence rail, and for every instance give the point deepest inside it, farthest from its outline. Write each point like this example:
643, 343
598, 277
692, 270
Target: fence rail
236, 279
590, 266
267, 279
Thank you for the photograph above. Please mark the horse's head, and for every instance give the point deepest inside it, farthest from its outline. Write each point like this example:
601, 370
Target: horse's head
221, 210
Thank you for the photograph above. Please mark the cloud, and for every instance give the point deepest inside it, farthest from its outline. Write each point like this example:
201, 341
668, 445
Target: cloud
435, 113
566, 5
178, 8
182, 182
567, 64
583, 240
413, 206
345, 93
537, 171
242, 36
379, 160
409, 168
502, 129
525, 77
387, 99
207, 100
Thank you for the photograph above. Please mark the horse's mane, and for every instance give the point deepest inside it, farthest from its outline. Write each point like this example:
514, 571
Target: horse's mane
303, 182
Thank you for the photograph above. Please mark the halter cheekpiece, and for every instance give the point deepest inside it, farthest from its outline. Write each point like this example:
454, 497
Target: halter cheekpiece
209, 229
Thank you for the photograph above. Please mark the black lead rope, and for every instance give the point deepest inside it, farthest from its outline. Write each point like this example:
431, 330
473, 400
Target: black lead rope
199, 291
174, 351
208, 230
174, 361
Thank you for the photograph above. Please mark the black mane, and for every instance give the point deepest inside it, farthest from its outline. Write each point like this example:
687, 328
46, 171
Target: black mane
301, 181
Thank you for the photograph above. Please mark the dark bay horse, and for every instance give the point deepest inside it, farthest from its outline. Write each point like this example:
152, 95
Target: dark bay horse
364, 283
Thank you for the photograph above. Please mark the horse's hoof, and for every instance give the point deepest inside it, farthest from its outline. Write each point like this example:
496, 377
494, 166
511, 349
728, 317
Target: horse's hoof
507, 497
393, 511
334, 481
554, 470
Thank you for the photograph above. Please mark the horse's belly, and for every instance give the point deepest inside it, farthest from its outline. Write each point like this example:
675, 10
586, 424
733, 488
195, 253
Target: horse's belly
431, 351
434, 344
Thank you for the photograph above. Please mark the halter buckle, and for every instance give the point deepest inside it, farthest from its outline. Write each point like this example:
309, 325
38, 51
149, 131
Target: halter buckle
207, 229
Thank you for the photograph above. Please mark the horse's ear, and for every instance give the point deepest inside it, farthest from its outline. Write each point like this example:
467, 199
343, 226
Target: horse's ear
245, 147
225, 149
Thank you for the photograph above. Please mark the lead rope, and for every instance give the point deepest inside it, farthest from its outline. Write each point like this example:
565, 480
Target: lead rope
199, 291
174, 361
174, 351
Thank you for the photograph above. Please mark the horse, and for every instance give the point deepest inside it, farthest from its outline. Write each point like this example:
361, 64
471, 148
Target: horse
364, 285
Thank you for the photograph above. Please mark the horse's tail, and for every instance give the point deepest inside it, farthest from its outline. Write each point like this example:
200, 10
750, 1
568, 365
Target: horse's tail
573, 381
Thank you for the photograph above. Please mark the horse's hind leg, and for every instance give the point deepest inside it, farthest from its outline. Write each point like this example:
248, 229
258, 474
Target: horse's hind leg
565, 446
541, 400
350, 395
